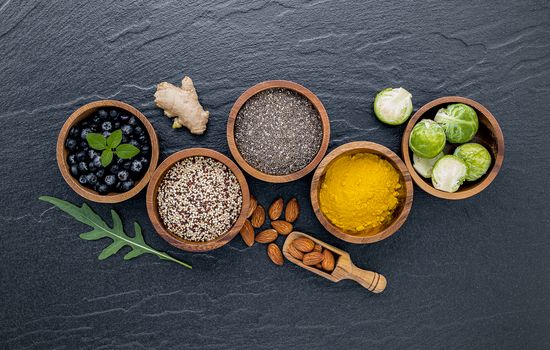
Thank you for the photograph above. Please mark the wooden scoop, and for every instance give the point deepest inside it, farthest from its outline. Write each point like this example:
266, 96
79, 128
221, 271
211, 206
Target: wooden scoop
344, 268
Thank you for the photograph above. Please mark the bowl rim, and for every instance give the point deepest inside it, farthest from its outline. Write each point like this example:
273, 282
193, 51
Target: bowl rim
367, 147
498, 157
273, 84
61, 152
152, 208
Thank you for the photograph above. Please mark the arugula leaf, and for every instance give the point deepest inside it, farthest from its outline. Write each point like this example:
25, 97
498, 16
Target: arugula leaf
126, 151
100, 230
114, 139
96, 141
106, 157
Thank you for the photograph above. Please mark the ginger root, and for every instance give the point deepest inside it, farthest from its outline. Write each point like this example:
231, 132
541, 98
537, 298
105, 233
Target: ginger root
182, 103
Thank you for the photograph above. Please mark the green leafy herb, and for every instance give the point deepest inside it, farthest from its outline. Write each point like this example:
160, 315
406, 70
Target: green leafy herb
111, 146
100, 230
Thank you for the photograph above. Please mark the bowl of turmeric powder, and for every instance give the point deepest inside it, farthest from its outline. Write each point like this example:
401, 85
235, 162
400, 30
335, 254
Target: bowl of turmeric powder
362, 192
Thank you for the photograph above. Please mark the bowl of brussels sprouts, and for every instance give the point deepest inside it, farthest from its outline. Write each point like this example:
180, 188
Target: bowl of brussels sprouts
453, 147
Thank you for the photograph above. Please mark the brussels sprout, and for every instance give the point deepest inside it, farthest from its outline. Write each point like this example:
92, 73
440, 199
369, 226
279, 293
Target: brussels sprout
424, 166
393, 106
477, 159
449, 173
459, 121
427, 139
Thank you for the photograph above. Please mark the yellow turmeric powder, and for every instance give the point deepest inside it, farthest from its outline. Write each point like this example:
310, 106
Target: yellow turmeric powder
359, 192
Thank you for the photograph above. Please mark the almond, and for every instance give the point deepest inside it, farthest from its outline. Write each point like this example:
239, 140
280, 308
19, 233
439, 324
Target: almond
328, 261
303, 244
312, 258
258, 217
317, 248
252, 207
276, 209
275, 254
319, 266
266, 236
282, 227
295, 252
247, 233
292, 210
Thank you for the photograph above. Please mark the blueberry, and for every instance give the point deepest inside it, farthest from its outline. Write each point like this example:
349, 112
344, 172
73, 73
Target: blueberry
85, 132
134, 143
138, 130
96, 160
107, 126
124, 117
102, 189
143, 139
132, 121
145, 149
85, 124
74, 132
96, 120
110, 180
82, 179
84, 145
100, 173
118, 186
125, 139
92, 153
116, 125
127, 130
123, 175
127, 185
106, 134
95, 127
136, 167
91, 179
71, 144
113, 113
81, 156
102, 114
113, 169
144, 161
74, 170
91, 167
127, 165
82, 166
119, 162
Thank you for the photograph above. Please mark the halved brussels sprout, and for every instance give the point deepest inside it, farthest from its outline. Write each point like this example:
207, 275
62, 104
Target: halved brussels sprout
427, 139
424, 166
393, 106
459, 121
477, 159
449, 173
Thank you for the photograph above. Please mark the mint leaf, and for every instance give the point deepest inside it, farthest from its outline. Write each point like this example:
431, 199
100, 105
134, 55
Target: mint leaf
106, 157
114, 139
96, 141
101, 229
126, 151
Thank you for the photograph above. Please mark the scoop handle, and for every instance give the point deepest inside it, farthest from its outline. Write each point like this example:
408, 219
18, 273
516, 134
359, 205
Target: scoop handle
373, 281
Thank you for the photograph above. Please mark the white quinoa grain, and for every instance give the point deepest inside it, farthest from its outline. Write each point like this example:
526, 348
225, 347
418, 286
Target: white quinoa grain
199, 199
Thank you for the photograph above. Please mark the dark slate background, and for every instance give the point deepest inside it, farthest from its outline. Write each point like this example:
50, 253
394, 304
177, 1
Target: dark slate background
472, 274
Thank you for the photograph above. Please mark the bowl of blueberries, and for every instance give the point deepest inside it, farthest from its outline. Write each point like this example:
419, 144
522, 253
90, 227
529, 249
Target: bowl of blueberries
107, 151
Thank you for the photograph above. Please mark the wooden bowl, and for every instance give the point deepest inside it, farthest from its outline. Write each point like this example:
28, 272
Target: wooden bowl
401, 212
152, 206
489, 135
83, 113
274, 84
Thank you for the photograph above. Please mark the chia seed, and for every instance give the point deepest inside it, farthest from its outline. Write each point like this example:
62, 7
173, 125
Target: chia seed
278, 131
199, 199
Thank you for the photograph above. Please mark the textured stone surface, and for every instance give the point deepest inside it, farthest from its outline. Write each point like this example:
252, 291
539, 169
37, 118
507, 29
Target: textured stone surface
472, 274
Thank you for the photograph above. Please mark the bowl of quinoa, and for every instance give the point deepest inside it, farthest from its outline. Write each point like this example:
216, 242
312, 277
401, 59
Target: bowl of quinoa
197, 199
278, 131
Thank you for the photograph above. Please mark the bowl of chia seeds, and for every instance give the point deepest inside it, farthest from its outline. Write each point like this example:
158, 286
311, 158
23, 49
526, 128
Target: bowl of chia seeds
278, 131
198, 199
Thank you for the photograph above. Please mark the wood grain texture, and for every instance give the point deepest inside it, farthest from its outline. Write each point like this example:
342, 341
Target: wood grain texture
344, 269
271, 84
489, 135
62, 152
405, 199
152, 205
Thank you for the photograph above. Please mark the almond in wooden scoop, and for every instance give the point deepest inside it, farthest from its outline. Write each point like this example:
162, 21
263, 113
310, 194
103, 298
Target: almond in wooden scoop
276, 209
295, 252
275, 254
328, 261
292, 210
312, 258
258, 217
303, 244
281, 226
247, 233
266, 236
